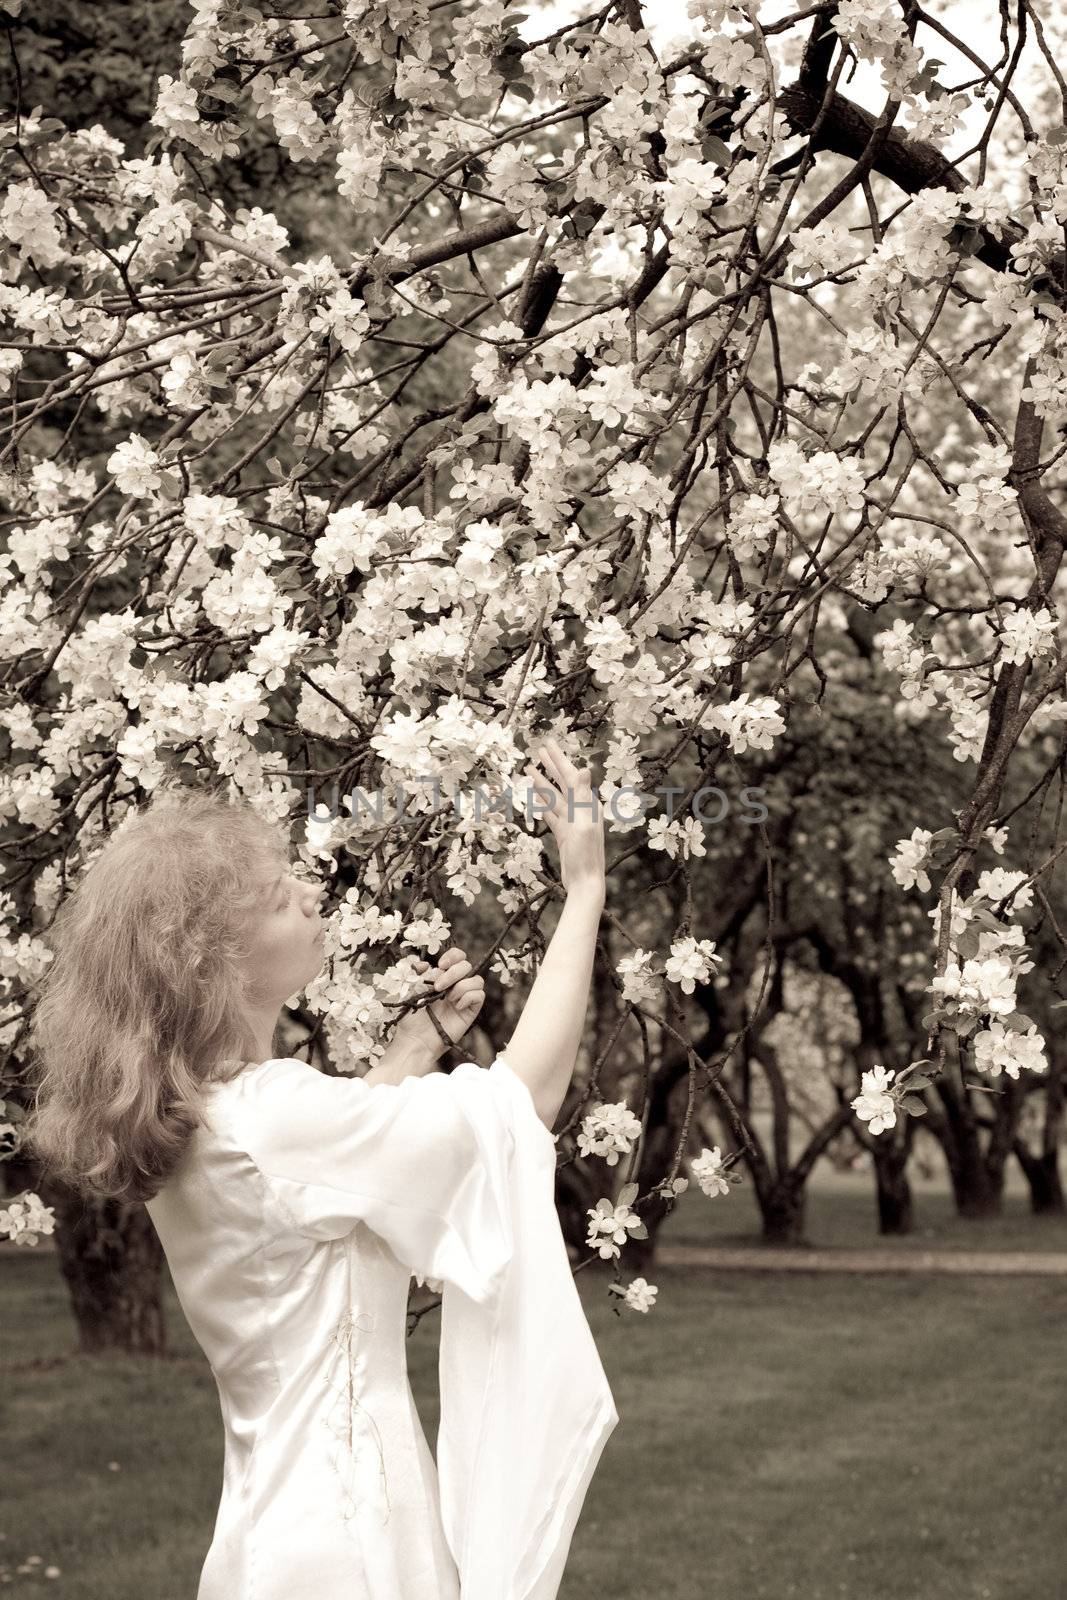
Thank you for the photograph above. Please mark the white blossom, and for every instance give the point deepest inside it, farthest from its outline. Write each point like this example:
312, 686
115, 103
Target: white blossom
638, 983
1025, 634
29, 219
25, 1218
690, 962
608, 1129
707, 1169
874, 1104
999, 1049
749, 721
638, 1294
911, 858
609, 1227
999, 882
979, 986
135, 467
820, 484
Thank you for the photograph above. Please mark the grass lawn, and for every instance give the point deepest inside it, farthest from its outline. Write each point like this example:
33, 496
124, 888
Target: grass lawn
841, 1211
853, 1438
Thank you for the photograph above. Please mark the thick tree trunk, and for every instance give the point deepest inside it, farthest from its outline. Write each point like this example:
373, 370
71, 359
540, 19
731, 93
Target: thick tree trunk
783, 1209
890, 1154
1043, 1176
1043, 1169
896, 1212
110, 1254
668, 1099
973, 1189
977, 1182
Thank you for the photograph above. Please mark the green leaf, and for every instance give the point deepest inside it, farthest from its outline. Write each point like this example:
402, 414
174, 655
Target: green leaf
627, 1193
584, 218
913, 1105
965, 238
221, 355
716, 150
226, 92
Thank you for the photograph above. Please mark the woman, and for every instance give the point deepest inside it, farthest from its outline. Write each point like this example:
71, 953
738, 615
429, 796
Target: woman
295, 1206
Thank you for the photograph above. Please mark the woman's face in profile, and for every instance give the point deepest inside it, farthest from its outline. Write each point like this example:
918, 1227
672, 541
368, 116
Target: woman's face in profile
288, 934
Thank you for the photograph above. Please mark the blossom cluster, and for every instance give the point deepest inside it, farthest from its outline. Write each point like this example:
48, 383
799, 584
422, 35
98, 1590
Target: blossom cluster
608, 1130
25, 1218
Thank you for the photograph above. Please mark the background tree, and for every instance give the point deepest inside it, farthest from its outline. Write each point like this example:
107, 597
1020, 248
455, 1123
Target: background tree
432, 377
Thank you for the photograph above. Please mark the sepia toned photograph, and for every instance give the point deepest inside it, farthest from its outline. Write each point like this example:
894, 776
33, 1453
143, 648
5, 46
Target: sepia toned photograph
533, 799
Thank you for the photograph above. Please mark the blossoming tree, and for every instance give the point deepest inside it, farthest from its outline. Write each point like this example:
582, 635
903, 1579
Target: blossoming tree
632, 388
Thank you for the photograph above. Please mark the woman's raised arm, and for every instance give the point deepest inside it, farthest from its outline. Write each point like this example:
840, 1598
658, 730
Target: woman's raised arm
544, 1046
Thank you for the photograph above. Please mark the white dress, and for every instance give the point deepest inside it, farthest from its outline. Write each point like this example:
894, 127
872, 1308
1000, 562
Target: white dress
292, 1226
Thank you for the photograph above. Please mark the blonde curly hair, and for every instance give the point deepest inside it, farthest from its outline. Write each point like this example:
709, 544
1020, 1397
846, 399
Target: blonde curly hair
146, 997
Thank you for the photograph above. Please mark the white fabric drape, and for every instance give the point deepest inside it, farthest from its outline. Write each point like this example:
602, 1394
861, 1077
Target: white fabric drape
303, 1206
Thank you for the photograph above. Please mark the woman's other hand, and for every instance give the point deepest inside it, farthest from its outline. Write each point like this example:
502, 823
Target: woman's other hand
462, 996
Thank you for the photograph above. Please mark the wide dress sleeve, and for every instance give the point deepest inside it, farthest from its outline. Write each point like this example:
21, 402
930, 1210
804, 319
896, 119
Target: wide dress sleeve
456, 1173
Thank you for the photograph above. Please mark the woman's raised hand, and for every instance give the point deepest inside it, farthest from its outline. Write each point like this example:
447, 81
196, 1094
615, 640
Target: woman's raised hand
576, 816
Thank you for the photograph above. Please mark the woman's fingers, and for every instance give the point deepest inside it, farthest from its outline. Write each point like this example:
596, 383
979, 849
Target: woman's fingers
465, 998
567, 776
549, 756
445, 980
546, 791
457, 987
562, 766
444, 964
466, 991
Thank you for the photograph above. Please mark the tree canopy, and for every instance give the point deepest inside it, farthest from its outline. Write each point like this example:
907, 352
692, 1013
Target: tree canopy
428, 375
